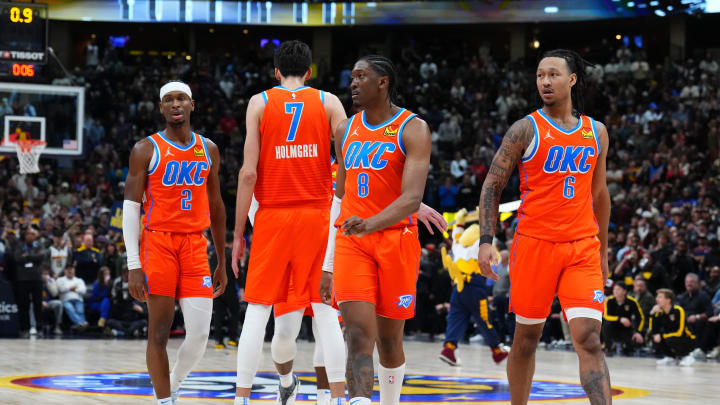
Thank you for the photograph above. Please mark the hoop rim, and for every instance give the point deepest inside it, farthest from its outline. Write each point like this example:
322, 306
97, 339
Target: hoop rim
26, 145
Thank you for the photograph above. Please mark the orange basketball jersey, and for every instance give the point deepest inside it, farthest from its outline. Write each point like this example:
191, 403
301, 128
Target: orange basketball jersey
294, 145
175, 194
374, 158
556, 181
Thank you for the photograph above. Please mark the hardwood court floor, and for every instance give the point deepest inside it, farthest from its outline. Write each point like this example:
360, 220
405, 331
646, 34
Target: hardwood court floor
648, 383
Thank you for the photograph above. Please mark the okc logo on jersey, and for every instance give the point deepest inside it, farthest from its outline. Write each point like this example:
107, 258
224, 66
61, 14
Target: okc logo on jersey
568, 159
405, 301
184, 173
598, 296
368, 154
207, 282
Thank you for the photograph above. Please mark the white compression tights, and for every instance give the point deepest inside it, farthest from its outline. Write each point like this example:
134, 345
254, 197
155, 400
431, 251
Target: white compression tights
330, 337
197, 313
250, 343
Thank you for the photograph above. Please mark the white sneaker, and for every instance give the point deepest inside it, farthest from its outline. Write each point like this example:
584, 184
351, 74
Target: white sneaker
286, 396
698, 353
714, 353
666, 361
57, 331
687, 361
33, 331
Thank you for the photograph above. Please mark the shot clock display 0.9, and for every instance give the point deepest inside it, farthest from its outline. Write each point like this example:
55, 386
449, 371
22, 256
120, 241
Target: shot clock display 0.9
23, 32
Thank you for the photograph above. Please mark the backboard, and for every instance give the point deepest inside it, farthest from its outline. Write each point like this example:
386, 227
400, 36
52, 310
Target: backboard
53, 114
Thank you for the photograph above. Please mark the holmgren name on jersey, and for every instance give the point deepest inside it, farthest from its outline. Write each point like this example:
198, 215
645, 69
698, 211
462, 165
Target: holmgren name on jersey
296, 151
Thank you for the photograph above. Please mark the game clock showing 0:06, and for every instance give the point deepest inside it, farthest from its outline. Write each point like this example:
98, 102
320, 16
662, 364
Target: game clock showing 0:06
23, 32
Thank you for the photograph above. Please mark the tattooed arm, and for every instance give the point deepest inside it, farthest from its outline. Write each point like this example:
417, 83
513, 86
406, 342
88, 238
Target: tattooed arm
511, 150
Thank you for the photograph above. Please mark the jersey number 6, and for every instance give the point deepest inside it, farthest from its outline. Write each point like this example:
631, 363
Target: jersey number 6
296, 110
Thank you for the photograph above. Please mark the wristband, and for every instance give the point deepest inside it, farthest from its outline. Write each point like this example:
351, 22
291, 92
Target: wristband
486, 239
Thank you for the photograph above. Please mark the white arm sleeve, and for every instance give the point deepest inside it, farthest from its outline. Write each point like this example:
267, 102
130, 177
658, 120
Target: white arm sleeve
254, 205
131, 230
330, 250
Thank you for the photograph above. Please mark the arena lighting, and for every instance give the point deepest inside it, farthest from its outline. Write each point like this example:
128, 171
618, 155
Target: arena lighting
654, 3
660, 13
551, 9
631, 4
536, 44
618, 37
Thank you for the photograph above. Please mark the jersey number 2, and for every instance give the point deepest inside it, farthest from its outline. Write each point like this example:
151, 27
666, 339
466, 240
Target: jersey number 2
185, 202
296, 110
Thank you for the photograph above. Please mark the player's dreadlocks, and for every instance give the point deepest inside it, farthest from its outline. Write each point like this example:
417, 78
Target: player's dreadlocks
576, 64
384, 67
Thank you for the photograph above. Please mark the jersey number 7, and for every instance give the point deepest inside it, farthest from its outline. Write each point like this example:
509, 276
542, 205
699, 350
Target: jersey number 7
296, 110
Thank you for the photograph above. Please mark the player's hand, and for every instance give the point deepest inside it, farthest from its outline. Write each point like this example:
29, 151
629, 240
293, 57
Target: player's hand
238, 251
326, 285
429, 216
625, 322
657, 338
136, 284
637, 338
604, 266
219, 280
487, 257
355, 226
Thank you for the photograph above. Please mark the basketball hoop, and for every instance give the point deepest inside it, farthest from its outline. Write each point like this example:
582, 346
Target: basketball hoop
28, 153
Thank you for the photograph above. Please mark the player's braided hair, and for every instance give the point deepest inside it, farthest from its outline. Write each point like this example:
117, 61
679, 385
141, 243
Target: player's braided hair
384, 67
576, 64
293, 58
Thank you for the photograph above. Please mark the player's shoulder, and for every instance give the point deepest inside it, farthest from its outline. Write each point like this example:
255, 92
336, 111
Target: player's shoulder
521, 130
144, 146
416, 124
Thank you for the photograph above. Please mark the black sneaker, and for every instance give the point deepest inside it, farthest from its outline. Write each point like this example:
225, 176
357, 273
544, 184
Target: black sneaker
286, 396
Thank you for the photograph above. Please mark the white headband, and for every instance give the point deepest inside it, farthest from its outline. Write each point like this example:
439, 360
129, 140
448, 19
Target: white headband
175, 86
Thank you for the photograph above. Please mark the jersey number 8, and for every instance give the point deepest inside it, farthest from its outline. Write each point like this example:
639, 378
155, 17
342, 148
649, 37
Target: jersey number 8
363, 187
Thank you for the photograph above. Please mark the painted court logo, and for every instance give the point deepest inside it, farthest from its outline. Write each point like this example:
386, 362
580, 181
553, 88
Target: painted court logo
220, 385
207, 282
598, 296
405, 301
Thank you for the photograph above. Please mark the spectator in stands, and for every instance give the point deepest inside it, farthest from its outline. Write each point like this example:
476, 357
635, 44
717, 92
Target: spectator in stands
128, 317
51, 302
112, 258
99, 299
88, 259
29, 257
698, 308
467, 193
623, 321
59, 253
680, 264
712, 284
448, 195
72, 289
671, 337
642, 295
458, 166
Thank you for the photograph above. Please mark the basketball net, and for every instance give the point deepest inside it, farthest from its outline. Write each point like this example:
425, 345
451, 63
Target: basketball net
28, 153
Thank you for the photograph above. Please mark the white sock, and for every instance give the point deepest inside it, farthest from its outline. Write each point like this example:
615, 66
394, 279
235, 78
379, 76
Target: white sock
338, 401
359, 401
286, 380
391, 382
241, 401
323, 396
197, 312
165, 401
250, 344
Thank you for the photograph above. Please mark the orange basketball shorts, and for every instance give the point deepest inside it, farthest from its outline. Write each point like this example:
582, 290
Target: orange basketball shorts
288, 249
176, 264
380, 268
540, 269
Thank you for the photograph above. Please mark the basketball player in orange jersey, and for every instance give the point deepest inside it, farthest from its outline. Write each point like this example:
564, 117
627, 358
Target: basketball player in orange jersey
174, 173
384, 155
287, 166
560, 244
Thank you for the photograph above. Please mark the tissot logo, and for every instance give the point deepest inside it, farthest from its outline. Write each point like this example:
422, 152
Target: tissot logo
220, 385
22, 55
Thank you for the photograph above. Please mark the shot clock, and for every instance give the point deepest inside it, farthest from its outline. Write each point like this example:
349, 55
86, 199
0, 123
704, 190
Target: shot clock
23, 34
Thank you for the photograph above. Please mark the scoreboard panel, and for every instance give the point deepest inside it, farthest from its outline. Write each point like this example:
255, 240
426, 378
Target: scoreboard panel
23, 32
